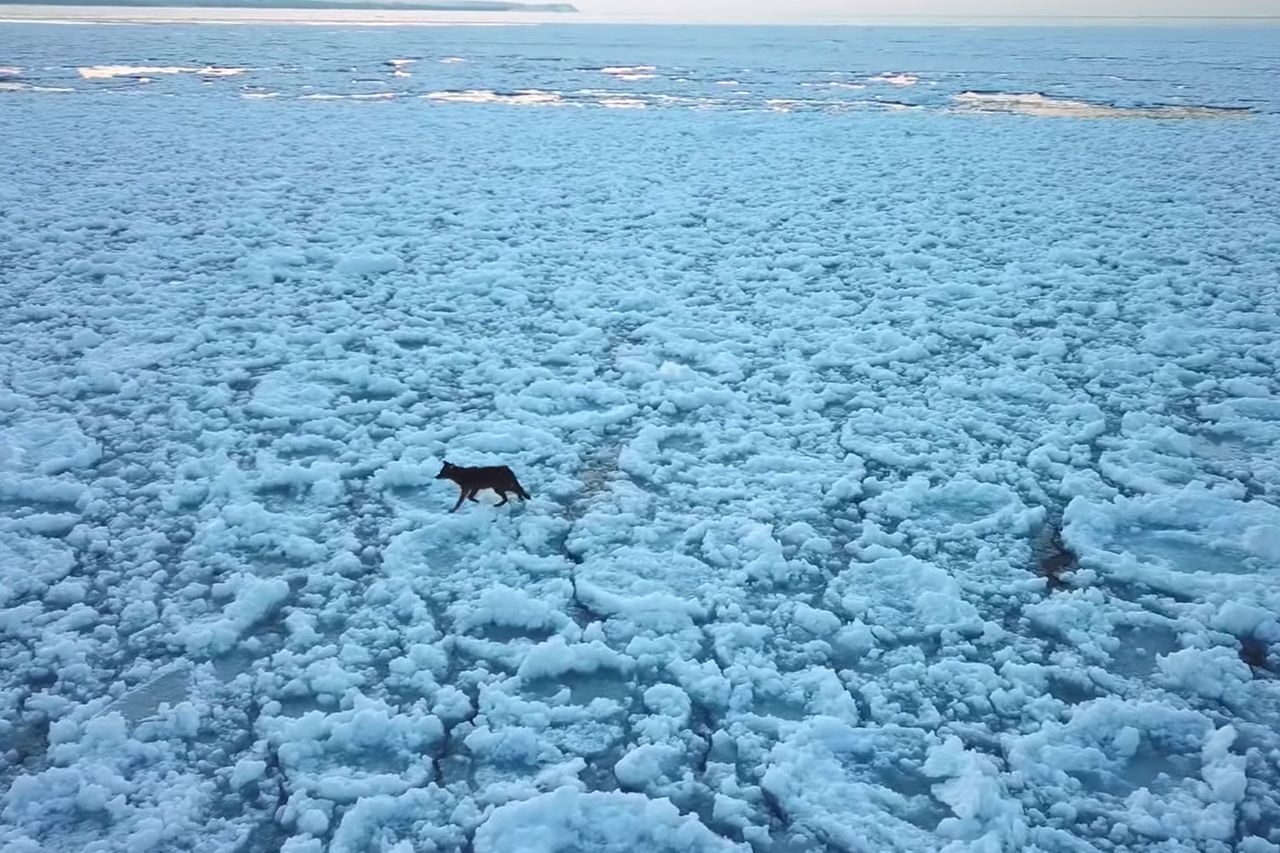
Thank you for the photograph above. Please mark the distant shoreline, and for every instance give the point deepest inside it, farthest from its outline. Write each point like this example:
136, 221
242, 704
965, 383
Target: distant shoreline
501, 13
501, 6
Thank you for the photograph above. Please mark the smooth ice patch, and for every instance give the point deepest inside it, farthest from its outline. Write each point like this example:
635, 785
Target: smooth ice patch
621, 103
630, 72
45, 444
659, 590
522, 97
171, 686
567, 819
29, 568
1143, 764
283, 395
362, 96
362, 262
872, 792
903, 595
1191, 539
960, 509
892, 79
253, 599
18, 86
1044, 106
317, 749
108, 72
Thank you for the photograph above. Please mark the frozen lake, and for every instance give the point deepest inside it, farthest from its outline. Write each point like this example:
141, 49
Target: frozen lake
899, 408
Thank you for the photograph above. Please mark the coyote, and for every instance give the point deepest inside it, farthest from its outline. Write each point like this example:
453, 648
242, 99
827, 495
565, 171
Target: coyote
471, 480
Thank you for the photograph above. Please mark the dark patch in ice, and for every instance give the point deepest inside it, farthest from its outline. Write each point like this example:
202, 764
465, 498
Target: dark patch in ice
1139, 647
1153, 768
683, 443
19, 506
922, 809
145, 700
298, 706
579, 612
411, 341
586, 688
374, 395
281, 497
1071, 692
786, 836
1254, 653
773, 706
40, 677
233, 664
241, 381
320, 449
1053, 558
495, 633
25, 749
417, 497
268, 835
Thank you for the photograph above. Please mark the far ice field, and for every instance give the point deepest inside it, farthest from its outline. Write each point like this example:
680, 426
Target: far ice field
899, 409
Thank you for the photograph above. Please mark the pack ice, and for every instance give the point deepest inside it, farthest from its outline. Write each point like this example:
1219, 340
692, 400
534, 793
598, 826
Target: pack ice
902, 479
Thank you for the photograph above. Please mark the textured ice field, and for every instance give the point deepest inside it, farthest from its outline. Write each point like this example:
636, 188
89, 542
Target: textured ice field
904, 444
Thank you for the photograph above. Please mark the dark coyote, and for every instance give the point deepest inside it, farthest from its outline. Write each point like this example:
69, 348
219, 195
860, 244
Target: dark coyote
500, 478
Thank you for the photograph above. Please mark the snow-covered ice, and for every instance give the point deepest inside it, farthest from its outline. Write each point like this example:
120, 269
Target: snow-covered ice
902, 445
1036, 104
107, 72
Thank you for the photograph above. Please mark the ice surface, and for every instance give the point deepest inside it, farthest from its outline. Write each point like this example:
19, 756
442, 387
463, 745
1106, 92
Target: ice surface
1036, 104
107, 72
904, 462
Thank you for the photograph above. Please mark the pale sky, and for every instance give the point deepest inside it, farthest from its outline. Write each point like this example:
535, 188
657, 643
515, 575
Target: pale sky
900, 12
744, 11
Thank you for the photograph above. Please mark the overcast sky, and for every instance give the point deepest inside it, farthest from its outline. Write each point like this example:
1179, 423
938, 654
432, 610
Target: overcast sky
848, 10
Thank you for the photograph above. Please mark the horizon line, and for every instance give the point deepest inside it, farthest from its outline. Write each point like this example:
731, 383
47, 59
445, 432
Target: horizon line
316, 12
